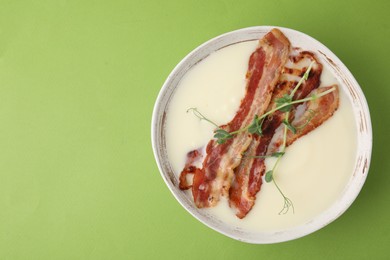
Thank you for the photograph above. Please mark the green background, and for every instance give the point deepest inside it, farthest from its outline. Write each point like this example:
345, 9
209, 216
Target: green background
78, 81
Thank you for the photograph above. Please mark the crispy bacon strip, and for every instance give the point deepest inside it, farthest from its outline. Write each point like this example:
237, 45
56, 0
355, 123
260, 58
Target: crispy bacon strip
264, 69
248, 175
313, 114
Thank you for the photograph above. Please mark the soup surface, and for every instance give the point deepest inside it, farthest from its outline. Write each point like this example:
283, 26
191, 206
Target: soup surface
313, 172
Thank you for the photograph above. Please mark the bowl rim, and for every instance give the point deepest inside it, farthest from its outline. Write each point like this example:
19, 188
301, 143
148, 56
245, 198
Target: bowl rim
364, 138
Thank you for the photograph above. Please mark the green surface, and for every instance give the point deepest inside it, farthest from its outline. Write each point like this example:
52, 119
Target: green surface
78, 81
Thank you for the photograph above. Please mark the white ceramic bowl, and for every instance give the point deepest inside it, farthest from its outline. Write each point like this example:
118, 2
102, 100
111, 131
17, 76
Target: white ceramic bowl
360, 110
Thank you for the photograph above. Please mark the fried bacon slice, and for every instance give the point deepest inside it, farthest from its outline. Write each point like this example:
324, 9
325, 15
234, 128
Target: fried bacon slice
308, 117
264, 68
248, 175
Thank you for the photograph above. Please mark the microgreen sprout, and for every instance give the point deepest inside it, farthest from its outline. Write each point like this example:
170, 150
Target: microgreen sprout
199, 115
222, 135
269, 175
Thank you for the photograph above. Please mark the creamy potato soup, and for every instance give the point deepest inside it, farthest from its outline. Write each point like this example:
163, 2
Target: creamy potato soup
314, 170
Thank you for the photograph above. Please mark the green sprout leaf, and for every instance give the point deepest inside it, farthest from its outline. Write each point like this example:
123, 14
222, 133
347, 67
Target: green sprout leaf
277, 154
222, 135
284, 102
256, 126
289, 126
269, 176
